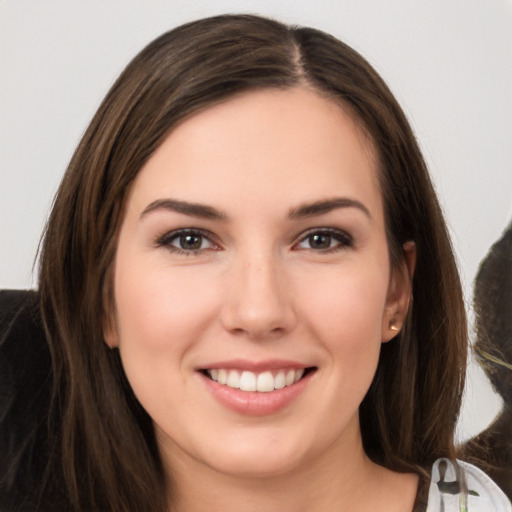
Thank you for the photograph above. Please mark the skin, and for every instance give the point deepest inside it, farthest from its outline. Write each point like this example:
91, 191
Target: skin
258, 289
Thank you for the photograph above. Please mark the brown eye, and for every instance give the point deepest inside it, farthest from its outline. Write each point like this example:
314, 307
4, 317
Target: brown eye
186, 242
319, 241
325, 240
190, 242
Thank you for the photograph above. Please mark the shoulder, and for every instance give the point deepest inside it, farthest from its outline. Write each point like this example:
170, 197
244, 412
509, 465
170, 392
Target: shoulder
459, 486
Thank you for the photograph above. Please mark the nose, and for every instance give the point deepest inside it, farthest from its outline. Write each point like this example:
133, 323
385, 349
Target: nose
258, 301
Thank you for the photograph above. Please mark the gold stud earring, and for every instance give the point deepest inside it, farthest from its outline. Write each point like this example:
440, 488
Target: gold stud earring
392, 325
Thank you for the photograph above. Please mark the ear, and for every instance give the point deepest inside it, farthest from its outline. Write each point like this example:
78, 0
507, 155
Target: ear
399, 294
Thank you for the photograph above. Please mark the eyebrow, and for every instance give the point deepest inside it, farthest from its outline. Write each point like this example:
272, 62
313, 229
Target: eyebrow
192, 209
326, 206
203, 211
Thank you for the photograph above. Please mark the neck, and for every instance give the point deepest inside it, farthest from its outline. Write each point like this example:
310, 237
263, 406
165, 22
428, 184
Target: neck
328, 484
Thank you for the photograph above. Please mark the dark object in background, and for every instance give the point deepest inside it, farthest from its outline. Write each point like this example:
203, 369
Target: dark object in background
491, 450
25, 394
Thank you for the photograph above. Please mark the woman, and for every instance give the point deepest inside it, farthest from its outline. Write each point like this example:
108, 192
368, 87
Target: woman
226, 286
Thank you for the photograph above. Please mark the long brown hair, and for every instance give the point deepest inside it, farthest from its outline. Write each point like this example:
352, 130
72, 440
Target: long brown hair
104, 441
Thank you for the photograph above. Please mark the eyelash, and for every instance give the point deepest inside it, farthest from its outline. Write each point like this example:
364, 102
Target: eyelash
345, 241
167, 239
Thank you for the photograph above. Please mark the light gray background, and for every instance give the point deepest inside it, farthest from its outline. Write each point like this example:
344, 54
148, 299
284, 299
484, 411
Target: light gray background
449, 62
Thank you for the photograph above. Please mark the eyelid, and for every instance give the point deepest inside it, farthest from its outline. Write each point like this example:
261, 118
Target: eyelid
168, 237
345, 239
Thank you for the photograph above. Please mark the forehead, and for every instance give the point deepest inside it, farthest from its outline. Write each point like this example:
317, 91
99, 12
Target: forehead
293, 139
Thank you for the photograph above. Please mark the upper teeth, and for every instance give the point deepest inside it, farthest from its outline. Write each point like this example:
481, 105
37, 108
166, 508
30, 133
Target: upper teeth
250, 381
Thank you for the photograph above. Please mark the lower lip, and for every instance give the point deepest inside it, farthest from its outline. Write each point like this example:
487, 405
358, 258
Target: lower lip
256, 403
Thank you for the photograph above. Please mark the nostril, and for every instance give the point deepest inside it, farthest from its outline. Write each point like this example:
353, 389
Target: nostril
258, 333
255, 306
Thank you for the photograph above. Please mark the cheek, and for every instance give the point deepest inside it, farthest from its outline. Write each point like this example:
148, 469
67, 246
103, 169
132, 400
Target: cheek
345, 312
347, 301
161, 308
161, 315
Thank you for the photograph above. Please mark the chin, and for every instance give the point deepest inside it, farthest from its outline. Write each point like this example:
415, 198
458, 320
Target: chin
256, 465
264, 453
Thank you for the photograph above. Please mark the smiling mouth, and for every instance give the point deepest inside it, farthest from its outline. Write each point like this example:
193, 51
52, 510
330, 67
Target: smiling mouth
263, 382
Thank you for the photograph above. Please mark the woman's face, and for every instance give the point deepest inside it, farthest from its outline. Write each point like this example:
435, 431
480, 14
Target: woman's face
252, 284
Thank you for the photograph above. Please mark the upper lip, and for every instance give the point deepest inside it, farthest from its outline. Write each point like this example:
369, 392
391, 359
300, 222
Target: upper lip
254, 366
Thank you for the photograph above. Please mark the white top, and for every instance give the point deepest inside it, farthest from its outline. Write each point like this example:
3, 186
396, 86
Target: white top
461, 487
